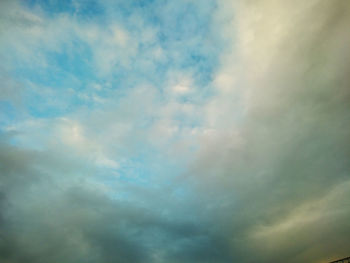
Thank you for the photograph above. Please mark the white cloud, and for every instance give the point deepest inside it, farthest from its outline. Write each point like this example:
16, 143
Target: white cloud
274, 128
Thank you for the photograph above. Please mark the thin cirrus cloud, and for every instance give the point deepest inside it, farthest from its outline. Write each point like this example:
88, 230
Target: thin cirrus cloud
178, 131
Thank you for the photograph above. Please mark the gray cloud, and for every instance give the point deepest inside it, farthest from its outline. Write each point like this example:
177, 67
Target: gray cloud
280, 168
45, 218
269, 183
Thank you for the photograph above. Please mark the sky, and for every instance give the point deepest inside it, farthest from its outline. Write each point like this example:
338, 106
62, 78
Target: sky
184, 131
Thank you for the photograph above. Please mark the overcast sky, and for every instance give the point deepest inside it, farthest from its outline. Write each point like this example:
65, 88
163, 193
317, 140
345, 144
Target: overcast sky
181, 131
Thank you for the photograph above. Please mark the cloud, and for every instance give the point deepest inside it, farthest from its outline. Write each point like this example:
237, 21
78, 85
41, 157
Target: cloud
47, 217
280, 122
174, 132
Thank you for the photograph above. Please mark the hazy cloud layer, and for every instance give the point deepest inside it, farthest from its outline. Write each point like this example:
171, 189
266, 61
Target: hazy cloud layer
174, 132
